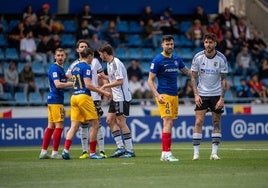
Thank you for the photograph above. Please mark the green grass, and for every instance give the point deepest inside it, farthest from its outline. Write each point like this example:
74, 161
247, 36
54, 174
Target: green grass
243, 164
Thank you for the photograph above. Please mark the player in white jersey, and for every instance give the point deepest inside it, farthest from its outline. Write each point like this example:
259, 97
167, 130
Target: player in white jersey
211, 68
119, 105
96, 69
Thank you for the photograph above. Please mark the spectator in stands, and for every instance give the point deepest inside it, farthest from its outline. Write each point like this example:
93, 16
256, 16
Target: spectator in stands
187, 92
263, 72
15, 36
46, 15
201, 15
134, 70
195, 33
167, 23
95, 42
241, 27
111, 35
244, 64
31, 14
227, 19
257, 90
152, 34
257, 47
11, 77
135, 87
27, 23
85, 14
227, 47
27, 80
84, 32
45, 49
42, 29
243, 90
57, 41
28, 48
146, 15
216, 29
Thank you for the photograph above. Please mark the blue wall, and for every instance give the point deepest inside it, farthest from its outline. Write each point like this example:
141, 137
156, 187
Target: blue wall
113, 6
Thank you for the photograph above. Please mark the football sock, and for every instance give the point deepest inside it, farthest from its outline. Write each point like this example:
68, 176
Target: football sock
128, 142
100, 138
84, 138
196, 141
118, 139
216, 138
92, 147
67, 145
56, 139
47, 138
166, 141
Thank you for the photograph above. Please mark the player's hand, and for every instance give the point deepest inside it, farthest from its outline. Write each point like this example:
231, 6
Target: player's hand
160, 99
220, 103
198, 100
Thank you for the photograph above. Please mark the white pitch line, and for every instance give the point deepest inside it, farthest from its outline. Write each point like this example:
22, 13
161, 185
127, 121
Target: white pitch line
3, 149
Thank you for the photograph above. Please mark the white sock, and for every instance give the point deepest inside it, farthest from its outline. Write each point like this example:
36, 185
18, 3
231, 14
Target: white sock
43, 151
54, 152
100, 138
84, 138
214, 149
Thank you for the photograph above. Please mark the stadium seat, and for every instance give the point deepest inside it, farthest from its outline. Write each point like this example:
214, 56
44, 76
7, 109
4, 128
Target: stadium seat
69, 26
12, 54
185, 42
21, 99
134, 53
3, 40
134, 27
68, 40
184, 26
12, 24
38, 69
186, 54
145, 67
134, 40
67, 98
2, 55
121, 53
122, 27
35, 99
147, 54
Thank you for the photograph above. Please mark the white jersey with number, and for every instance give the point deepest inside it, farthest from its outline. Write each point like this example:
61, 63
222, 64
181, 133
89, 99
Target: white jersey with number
209, 70
95, 68
116, 70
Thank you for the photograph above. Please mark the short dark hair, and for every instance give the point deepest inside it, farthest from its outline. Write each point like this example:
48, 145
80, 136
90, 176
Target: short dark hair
107, 48
86, 52
82, 41
211, 36
167, 38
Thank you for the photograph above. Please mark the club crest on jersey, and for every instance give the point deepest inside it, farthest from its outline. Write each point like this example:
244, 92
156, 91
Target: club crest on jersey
55, 75
176, 63
216, 64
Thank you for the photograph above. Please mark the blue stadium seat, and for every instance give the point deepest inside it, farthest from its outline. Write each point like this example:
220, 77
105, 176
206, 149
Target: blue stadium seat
12, 54
134, 40
2, 55
186, 54
145, 67
38, 69
68, 40
21, 99
134, 53
122, 27
69, 26
134, 27
3, 40
184, 26
12, 24
147, 54
121, 53
67, 98
35, 99
185, 42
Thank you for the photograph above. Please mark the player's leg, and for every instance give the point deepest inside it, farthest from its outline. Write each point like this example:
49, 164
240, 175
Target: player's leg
46, 140
216, 135
84, 141
197, 135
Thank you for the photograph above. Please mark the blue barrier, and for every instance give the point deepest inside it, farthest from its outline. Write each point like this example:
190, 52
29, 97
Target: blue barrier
147, 129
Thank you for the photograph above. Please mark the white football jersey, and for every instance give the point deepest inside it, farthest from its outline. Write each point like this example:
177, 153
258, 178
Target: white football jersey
116, 70
209, 70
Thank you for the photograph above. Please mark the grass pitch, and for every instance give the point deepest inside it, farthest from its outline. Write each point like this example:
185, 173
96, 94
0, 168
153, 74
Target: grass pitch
243, 164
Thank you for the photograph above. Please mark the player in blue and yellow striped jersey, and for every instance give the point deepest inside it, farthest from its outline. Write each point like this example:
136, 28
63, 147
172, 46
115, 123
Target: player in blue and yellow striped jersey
82, 106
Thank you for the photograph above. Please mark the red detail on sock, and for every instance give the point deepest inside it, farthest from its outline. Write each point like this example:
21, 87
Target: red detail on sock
93, 146
47, 138
166, 141
57, 138
67, 144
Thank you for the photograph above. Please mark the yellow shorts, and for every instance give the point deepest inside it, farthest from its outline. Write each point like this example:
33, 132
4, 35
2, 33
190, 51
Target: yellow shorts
55, 113
82, 108
170, 107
